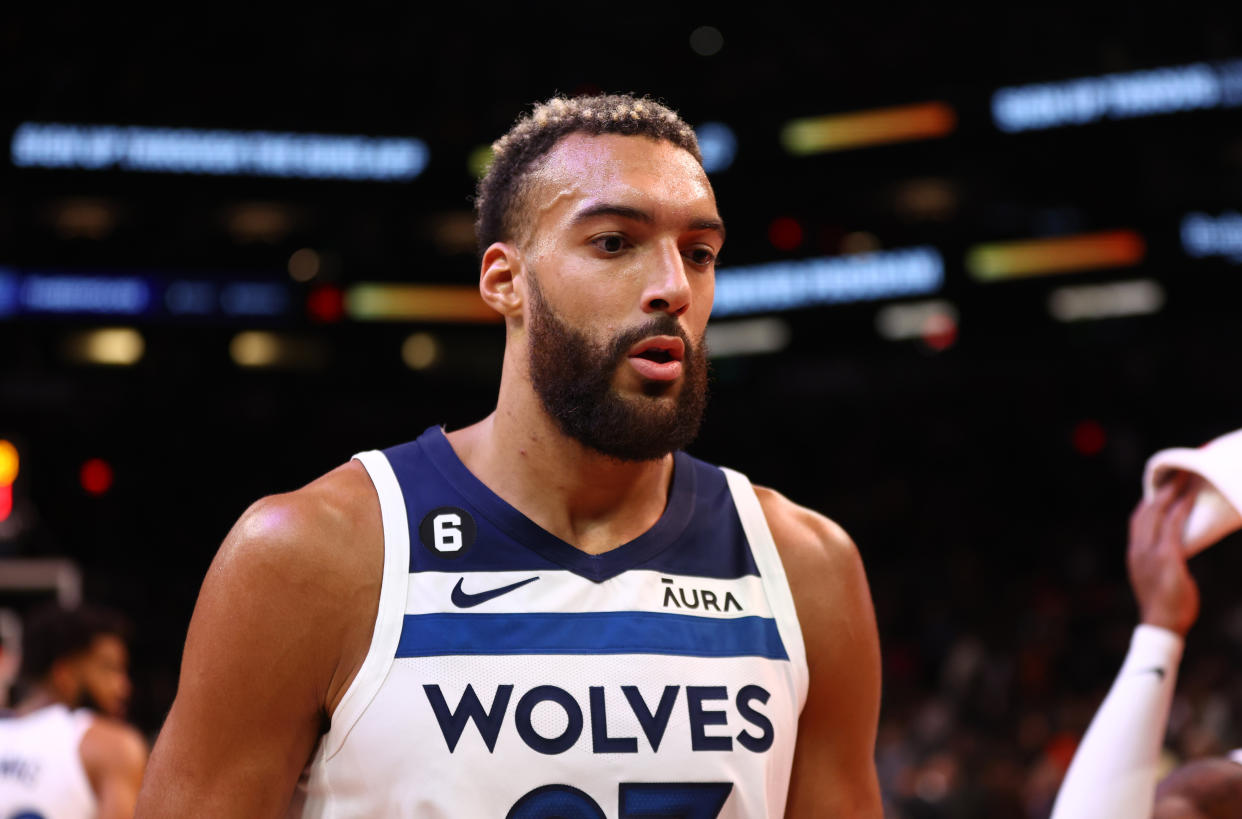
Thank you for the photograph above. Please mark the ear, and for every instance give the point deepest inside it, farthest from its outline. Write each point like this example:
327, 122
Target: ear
497, 279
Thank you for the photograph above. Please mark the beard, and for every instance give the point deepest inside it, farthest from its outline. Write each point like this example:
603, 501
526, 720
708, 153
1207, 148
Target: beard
573, 378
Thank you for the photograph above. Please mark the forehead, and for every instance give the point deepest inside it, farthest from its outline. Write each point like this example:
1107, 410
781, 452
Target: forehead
638, 170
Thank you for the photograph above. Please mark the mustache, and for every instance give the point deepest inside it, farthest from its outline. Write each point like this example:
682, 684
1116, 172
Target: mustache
662, 324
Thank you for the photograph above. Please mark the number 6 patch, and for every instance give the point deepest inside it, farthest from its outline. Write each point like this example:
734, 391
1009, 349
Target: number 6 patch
447, 532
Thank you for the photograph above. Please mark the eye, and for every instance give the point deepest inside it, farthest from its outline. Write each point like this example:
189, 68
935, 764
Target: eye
702, 256
610, 243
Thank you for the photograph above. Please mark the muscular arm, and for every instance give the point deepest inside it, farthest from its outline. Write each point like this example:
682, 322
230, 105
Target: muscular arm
113, 756
834, 759
282, 623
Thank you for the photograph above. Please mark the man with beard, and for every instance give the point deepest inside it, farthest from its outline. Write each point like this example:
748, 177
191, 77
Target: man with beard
64, 751
554, 612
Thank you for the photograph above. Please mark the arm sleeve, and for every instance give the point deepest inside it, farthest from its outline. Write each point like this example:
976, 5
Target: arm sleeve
1113, 775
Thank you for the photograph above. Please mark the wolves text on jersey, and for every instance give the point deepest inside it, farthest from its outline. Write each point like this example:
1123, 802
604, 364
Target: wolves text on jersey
698, 701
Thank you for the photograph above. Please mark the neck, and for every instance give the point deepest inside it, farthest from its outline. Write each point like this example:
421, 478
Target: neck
40, 697
587, 499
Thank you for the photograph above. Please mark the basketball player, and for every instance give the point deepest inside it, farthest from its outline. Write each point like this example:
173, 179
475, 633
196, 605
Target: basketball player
554, 612
63, 750
1113, 775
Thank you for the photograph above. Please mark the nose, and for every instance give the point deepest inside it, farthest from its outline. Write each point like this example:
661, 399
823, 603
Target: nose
668, 289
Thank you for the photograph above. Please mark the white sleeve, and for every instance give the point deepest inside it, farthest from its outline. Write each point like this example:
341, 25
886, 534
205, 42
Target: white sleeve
1113, 775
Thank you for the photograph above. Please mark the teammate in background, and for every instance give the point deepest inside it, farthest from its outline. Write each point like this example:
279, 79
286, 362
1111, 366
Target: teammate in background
1113, 775
64, 751
555, 611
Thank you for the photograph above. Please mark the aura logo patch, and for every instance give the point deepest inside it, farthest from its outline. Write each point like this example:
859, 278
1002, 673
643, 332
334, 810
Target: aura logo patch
448, 532
686, 597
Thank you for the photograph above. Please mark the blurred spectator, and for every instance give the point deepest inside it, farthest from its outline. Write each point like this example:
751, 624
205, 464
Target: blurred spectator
63, 750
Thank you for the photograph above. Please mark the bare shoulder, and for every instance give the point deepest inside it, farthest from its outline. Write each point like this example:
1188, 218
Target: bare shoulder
299, 572
110, 745
305, 530
282, 625
806, 539
827, 581
311, 559
834, 770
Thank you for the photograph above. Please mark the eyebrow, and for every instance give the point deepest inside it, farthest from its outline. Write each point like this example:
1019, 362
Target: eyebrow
638, 215
709, 224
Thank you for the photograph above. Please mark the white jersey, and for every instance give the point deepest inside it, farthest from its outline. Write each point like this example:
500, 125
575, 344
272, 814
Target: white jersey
41, 773
511, 675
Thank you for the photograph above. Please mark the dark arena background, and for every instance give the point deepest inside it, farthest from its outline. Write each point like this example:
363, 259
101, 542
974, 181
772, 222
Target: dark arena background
980, 266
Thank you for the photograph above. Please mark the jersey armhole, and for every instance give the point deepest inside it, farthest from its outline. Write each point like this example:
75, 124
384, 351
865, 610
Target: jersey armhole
82, 718
772, 574
390, 615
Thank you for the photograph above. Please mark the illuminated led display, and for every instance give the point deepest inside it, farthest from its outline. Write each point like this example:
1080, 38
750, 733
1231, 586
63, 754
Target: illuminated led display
326, 304
778, 286
898, 322
221, 153
838, 132
1098, 301
111, 295
1064, 254
1117, 96
1204, 235
8, 292
717, 144
114, 346
9, 463
59, 292
254, 299
726, 339
409, 302
191, 298
255, 348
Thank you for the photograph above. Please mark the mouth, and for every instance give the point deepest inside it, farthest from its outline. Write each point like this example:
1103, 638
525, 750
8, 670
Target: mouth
660, 349
658, 358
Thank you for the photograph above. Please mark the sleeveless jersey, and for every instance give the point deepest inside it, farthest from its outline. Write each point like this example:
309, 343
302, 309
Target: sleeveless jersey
41, 773
513, 675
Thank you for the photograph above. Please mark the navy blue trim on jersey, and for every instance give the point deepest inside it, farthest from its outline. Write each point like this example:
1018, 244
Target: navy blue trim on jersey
713, 544
677, 514
699, 519
612, 632
698, 535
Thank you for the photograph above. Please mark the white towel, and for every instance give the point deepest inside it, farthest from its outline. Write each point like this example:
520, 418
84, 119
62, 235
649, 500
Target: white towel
1218, 509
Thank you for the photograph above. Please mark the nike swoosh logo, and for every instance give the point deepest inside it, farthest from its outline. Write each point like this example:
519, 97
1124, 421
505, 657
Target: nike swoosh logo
464, 600
1157, 670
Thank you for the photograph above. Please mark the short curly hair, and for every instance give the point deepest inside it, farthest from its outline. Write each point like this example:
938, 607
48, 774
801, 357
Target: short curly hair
54, 633
498, 200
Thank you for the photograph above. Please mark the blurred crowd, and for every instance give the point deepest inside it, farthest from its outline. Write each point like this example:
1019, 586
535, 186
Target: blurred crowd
982, 719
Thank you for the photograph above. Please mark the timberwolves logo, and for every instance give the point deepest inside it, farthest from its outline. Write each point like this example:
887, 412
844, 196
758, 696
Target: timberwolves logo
447, 532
